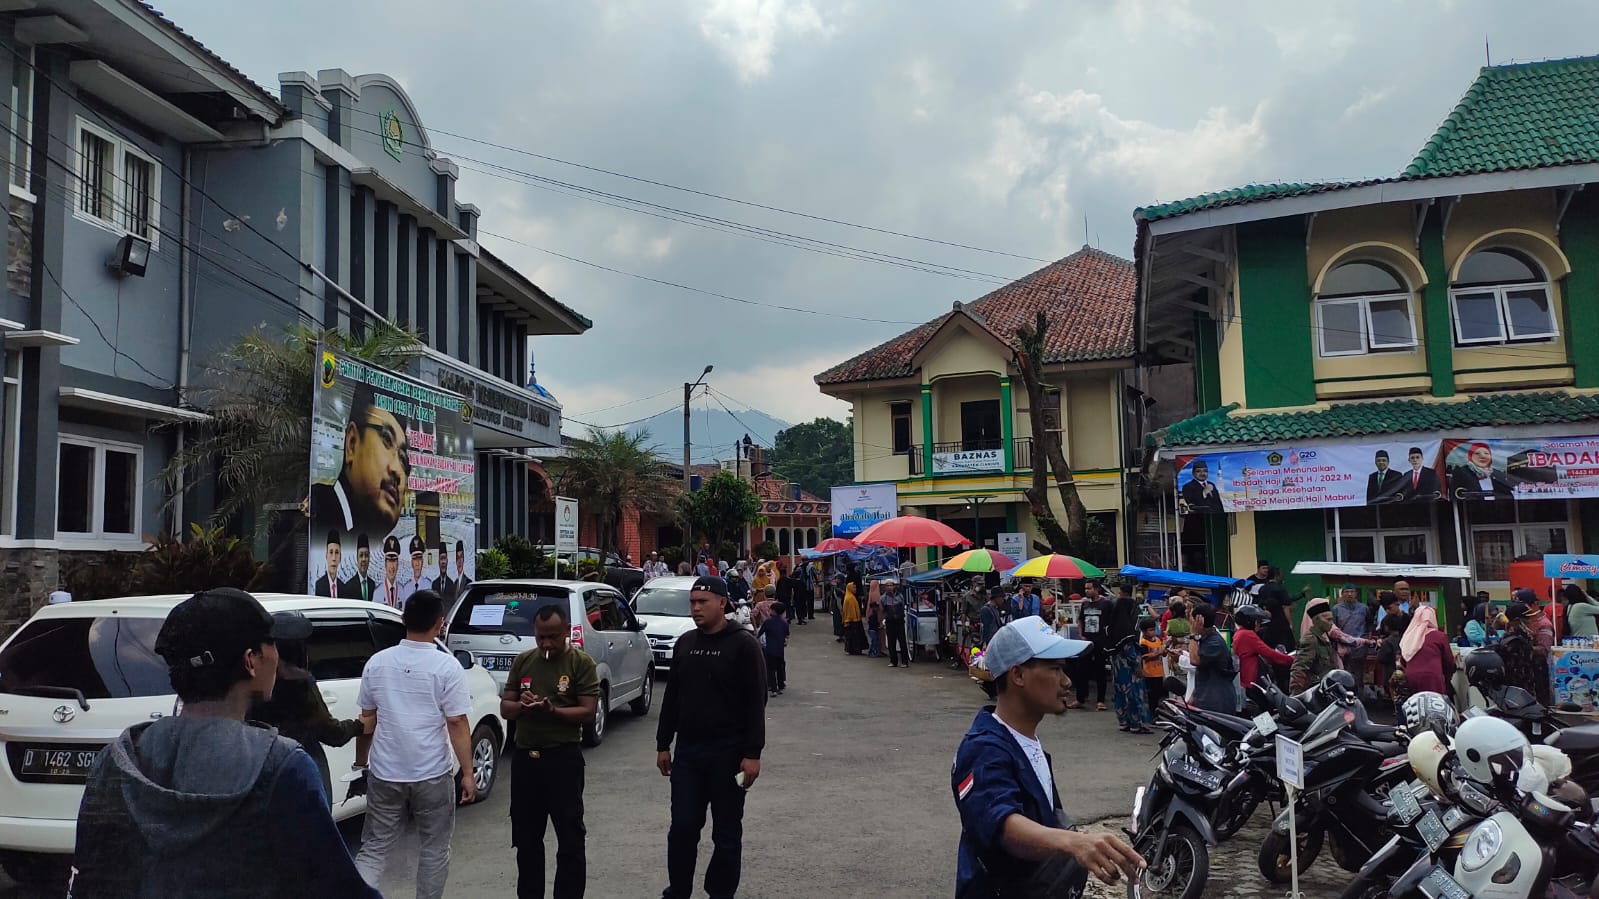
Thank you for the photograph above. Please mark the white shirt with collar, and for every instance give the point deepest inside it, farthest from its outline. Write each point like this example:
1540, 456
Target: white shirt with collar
414, 687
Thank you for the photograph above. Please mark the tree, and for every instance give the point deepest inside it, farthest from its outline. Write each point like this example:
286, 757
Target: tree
721, 508
611, 471
1030, 363
259, 393
817, 455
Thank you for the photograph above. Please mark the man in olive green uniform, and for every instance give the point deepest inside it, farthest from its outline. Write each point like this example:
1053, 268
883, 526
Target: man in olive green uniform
1315, 656
552, 692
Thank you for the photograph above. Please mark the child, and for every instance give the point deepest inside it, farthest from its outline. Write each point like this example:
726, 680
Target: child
774, 636
1154, 656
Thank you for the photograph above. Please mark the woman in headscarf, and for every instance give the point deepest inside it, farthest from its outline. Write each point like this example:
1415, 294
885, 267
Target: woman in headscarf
854, 634
1477, 626
763, 576
1425, 654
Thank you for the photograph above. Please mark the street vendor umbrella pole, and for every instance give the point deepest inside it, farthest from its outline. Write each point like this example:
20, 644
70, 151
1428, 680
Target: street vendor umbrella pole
980, 561
909, 531
1057, 566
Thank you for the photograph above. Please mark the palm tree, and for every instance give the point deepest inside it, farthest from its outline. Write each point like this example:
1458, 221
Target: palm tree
609, 471
258, 393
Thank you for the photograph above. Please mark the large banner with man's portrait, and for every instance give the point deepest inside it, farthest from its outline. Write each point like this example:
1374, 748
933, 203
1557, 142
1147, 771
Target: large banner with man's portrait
1399, 470
393, 489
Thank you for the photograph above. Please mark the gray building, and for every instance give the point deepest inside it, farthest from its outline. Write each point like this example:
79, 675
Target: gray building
161, 204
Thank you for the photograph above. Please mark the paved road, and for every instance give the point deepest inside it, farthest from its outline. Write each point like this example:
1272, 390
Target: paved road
854, 794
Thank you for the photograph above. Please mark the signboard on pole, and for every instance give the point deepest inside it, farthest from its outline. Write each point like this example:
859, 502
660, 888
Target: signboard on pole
857, 508
393, 501
1290, 762
565, 525
1013, 544
1570, 567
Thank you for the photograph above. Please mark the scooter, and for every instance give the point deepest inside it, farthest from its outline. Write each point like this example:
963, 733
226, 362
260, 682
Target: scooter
1171, 821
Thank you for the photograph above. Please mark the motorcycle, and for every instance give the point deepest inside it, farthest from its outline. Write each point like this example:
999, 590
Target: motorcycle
1171, 822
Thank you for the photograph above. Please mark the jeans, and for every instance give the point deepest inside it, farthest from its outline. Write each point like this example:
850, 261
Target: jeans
874, 642
548, 789
702, 776
898, 652
776, 673
432, 804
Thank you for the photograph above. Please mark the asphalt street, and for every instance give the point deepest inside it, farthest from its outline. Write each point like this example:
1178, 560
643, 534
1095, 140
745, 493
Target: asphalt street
854, 795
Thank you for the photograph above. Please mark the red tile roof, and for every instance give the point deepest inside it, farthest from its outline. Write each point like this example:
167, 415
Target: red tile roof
1087, 297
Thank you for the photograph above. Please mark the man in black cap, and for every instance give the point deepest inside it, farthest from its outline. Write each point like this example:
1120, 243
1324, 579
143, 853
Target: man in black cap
389, 592
715, 709
442, 585
328, 583
203, 803
360, 585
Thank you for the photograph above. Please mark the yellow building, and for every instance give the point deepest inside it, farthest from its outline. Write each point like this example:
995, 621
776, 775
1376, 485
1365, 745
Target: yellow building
941, 412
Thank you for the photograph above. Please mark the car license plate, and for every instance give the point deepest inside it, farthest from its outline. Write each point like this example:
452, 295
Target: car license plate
1406, 808
42, 763
1266, 724
1432, 831
1439, 885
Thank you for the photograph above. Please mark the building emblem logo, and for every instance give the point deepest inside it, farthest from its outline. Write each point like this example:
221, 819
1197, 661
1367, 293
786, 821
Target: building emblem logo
1274, 458
393, 134
330, 367
466, 411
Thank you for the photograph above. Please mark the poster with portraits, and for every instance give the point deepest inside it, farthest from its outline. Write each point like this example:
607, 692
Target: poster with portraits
393, 500
1398, 470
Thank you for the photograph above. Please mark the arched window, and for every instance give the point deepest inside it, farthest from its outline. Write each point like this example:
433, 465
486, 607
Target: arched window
782, 542
1501, 296
810, 537
771, 535
1364, 307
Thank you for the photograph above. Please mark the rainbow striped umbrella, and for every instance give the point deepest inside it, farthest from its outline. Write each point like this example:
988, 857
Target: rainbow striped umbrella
1056, 565
980, 561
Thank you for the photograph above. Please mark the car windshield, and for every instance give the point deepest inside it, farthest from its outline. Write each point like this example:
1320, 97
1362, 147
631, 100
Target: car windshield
670, 601
105, 658
489, 609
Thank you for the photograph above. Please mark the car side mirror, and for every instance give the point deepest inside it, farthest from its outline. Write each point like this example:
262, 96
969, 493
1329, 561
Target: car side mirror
464, 657
636, 625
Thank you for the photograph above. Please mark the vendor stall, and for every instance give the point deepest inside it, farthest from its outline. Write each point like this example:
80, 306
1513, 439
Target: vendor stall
929, 615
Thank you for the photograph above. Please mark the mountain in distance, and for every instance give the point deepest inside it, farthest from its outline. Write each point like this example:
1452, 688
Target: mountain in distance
713, 432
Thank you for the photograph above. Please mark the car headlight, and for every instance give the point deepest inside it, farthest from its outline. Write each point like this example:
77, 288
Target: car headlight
1138, 804
1483, 844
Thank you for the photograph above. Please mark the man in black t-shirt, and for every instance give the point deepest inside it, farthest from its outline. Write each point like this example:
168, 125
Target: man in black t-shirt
1096, 618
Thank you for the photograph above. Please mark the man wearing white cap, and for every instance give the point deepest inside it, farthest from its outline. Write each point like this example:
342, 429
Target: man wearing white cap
1013, 829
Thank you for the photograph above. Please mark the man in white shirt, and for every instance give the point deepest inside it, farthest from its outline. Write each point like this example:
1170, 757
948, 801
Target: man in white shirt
420, 699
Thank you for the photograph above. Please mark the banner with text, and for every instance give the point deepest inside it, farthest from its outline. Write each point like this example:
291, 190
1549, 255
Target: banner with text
393, 504
969, 461
857, 508
566, 523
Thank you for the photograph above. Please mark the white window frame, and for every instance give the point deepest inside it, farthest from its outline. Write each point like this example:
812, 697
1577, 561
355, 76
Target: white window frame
97, 533
1501, 297
1518, 530
1367, 332
22, 122
1376, 535
10, 441
121, 149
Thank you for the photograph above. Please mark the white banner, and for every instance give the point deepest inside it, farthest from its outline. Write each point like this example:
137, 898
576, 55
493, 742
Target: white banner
857, 508
565, 525
965, 461
1013, 544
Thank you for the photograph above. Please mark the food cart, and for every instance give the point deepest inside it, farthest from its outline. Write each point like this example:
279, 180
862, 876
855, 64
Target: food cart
1432, 583
1159, 582
928, 614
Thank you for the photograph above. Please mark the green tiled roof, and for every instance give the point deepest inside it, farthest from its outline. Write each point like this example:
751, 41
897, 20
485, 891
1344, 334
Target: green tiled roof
1523, 116
1518, 117
1221, 426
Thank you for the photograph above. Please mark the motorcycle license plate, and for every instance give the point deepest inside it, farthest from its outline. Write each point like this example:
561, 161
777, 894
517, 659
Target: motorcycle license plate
1433, 831
1266, 724
1439, 885
1198, 774
1406, 807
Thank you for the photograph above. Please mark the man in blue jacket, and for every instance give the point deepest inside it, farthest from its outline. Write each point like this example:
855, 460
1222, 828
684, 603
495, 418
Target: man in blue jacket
1014, 836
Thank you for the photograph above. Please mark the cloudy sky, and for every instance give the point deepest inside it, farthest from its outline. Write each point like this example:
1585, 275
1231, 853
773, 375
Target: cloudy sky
995, 124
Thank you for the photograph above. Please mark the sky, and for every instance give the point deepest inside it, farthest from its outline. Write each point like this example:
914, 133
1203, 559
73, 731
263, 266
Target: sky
1020, 130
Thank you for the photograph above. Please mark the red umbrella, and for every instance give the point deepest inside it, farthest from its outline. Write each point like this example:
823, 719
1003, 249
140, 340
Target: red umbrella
911, 531
836, 545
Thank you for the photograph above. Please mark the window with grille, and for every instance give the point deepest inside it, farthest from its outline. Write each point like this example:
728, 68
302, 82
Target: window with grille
119, 186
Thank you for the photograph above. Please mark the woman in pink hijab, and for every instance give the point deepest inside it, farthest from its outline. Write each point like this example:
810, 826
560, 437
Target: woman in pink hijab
1428, 662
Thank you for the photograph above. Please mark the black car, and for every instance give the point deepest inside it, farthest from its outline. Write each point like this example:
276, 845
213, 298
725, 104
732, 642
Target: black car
618, 573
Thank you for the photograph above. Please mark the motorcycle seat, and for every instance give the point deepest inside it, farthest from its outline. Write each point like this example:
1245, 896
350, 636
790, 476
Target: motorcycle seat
1583, 738
1373, 733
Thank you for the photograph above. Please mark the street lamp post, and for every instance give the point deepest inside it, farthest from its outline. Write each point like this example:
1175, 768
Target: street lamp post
688, 394
975, 503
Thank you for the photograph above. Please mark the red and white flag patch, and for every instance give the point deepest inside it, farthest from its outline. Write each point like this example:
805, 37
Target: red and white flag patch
965, 786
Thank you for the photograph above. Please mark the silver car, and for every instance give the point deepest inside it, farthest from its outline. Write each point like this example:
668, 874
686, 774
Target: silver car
493, 620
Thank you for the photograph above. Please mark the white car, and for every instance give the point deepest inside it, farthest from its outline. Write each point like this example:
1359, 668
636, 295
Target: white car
662, 607
78, 674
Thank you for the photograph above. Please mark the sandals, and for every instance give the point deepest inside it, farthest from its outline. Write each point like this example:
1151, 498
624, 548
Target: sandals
1099, 707
1141, 730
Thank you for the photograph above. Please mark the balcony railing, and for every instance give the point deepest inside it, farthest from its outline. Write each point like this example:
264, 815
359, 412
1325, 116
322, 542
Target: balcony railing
972, 456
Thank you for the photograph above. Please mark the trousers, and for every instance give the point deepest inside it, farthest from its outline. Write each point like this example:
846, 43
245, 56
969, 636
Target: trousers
898, 652
776, 673
388, 804
549, 790
702, 778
